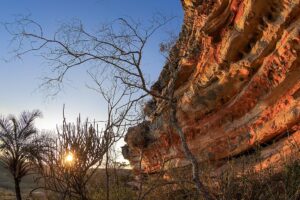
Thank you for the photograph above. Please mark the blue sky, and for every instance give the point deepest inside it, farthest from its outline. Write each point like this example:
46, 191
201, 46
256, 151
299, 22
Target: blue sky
19, 79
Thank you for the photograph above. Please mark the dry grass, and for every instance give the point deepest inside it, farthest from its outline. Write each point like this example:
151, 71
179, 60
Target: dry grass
269, 184
265, 185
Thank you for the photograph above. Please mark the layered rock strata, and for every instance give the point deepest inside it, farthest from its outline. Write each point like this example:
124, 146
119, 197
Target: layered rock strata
238, 87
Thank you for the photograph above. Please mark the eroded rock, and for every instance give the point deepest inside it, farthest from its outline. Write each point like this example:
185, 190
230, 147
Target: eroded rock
238, 85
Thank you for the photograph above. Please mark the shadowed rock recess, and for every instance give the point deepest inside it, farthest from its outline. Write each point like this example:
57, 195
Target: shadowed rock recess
238, 87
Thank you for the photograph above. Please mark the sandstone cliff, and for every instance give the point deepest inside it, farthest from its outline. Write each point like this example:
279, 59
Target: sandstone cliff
238, 87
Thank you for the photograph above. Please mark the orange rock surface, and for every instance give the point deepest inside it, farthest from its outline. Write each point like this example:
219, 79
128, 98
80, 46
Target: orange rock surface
238, 86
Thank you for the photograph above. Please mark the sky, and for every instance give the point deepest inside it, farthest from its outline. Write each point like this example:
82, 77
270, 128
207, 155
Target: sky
20, 78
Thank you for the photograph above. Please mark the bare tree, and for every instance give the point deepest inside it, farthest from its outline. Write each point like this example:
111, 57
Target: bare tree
72, 159
80, 148
115, 179
118, 46
121, 100
20, 146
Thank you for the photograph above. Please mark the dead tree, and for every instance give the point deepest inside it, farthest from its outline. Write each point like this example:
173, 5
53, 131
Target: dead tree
118, 46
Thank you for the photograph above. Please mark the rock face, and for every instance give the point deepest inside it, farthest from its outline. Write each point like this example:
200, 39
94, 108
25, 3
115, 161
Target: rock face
238, 86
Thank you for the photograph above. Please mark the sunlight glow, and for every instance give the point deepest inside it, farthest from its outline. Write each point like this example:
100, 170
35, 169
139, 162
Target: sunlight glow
69, 158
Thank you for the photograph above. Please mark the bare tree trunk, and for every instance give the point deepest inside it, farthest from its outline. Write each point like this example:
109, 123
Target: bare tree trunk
17, 189
189, 155
141, 177
201, 189
84, 194
107, 175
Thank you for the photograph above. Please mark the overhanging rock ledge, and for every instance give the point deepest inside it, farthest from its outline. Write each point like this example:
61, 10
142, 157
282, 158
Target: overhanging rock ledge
238, 87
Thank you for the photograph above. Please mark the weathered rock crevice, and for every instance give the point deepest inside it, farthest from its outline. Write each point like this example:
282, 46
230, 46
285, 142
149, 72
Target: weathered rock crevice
238, 87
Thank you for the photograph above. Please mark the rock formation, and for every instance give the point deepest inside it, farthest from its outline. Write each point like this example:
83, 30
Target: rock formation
238, 87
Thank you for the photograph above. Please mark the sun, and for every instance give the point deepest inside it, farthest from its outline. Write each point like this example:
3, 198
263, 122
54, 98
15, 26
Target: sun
69, 158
